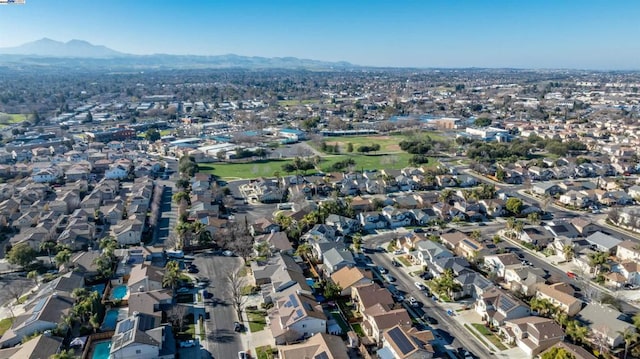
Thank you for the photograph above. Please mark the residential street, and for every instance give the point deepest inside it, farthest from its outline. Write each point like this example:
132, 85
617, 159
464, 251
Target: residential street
221, 341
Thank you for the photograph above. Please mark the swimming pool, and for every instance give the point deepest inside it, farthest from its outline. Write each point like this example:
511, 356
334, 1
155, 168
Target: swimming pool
98, 288
119, 292
110, 319
101, 350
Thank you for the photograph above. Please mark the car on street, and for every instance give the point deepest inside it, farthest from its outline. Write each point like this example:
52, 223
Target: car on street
238, 327
398, 252
183, 290
389, 278
420, 286
572, 275
382, 270
430, 320
193, 270
380, 249
187, 344
395, 263
243, 355
413, 302
228, 254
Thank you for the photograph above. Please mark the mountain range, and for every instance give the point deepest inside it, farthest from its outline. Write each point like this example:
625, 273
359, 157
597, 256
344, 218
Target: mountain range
78, 53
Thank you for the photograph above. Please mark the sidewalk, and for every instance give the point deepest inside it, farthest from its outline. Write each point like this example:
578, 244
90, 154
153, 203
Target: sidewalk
251, 341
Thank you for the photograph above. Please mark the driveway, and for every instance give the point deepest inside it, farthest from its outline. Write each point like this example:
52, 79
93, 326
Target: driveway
221, 340
168, 213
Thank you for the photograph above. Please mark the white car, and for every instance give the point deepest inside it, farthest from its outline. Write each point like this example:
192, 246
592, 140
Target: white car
398, 252
228, 253
389, 278
413, 302
383, 270
420, 286
243, 355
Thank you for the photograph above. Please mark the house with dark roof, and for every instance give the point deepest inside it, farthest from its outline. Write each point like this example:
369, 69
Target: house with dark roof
532, 334
137, 337
406, 342
44, 314
562, 228
473, 284
496, 306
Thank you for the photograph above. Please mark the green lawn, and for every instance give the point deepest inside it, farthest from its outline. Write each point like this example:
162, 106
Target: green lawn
5, 324
264, 352
165, 132
475, 334
11, 118
358, 329
336, 315
256, 169
297, 102
404, 261
387, 143
489, 335
257, 320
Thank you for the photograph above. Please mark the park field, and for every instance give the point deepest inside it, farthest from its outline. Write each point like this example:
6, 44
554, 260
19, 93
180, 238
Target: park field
388, 143
284, 103
266, 168
11, 118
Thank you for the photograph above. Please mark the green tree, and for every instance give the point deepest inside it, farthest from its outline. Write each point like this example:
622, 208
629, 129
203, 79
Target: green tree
557, 353
630, 337
543, 306
62, 257
304, 250
48, 246
181, 196
263, 249
21, 254
349, 147
482, 122
514, 205
64, 354
152, 135
357, 242
597, 260
201, 233
534, 218
171, 275
576, 331
501, 175
94, 321
33, 275
568, 252
331, 290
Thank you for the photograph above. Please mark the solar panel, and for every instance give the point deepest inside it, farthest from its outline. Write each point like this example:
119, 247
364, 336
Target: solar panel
308, 307
401, 340
322, 355
125, 326
506, 304
299, 313
293, 300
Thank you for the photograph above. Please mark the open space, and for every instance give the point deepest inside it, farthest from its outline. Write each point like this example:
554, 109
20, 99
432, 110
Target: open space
257, 320
7, 119
297, 102
494, 339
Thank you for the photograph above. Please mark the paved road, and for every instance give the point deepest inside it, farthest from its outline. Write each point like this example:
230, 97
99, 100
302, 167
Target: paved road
168, 213
221, 341
454, 333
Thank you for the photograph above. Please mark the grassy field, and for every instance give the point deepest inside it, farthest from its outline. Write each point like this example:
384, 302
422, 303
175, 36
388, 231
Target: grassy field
11, 118
489, 335
244, 170
5, 324
297, 102
264, 352
257, 320
165, 132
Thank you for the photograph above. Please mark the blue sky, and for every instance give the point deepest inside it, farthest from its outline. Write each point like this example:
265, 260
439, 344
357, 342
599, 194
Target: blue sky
422, 33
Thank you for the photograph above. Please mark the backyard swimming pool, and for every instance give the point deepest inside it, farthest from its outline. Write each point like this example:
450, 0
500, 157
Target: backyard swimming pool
101, 350
111, 318
119, 292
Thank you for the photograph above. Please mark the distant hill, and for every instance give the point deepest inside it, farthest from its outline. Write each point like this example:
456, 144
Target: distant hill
78, 53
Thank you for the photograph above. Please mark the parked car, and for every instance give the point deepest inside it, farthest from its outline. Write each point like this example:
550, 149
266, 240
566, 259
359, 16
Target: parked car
430, 320
420, 286
398, 252
383, 270
193, 270
183, 290
572, 275
389, 278
413, 302
243, 355
188, 344
229, 254
238, 327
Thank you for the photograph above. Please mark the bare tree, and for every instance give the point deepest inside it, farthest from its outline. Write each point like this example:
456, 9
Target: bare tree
177, 315
236, 283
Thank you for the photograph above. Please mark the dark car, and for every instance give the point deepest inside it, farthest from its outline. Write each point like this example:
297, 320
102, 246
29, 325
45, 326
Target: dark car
430, 320
238, 327
193, 270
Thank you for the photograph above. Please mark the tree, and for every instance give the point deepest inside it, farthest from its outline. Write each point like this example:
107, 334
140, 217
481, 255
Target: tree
568, 252
171, 275
201, 233
177, 314
21, 254
349, 147
596, 260
357, 242
482, 122
235, 283
576, 331
183, 184
33, 275
630, 337
263, 249
557, 353
181, 196
62, 257
304, 250
514, 205
331, 290
64, 354
48, 246
543, 306
152, 135
94, 321
534, 218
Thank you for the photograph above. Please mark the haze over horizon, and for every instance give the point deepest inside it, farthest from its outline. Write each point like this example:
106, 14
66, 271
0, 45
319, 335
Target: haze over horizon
545, 34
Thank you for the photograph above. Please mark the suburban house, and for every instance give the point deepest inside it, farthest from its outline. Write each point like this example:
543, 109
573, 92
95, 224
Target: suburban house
584, 227
406, 342
279, 274
562, 229
372, 220
277, 242
44, 314
499, 263
397, 217
152, 304
576, 351
368, 295
345, 225
536, 235
561, 295
496, 306
296, 316
335, 259
320, 345
524, 279
605, 322
263, 226
429, 251
42, 346
603, 242
532, 335
145, 277
630, 271
473, 284
628, 251
136, 337
452, 239
348, 277
128, 231
545, 189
